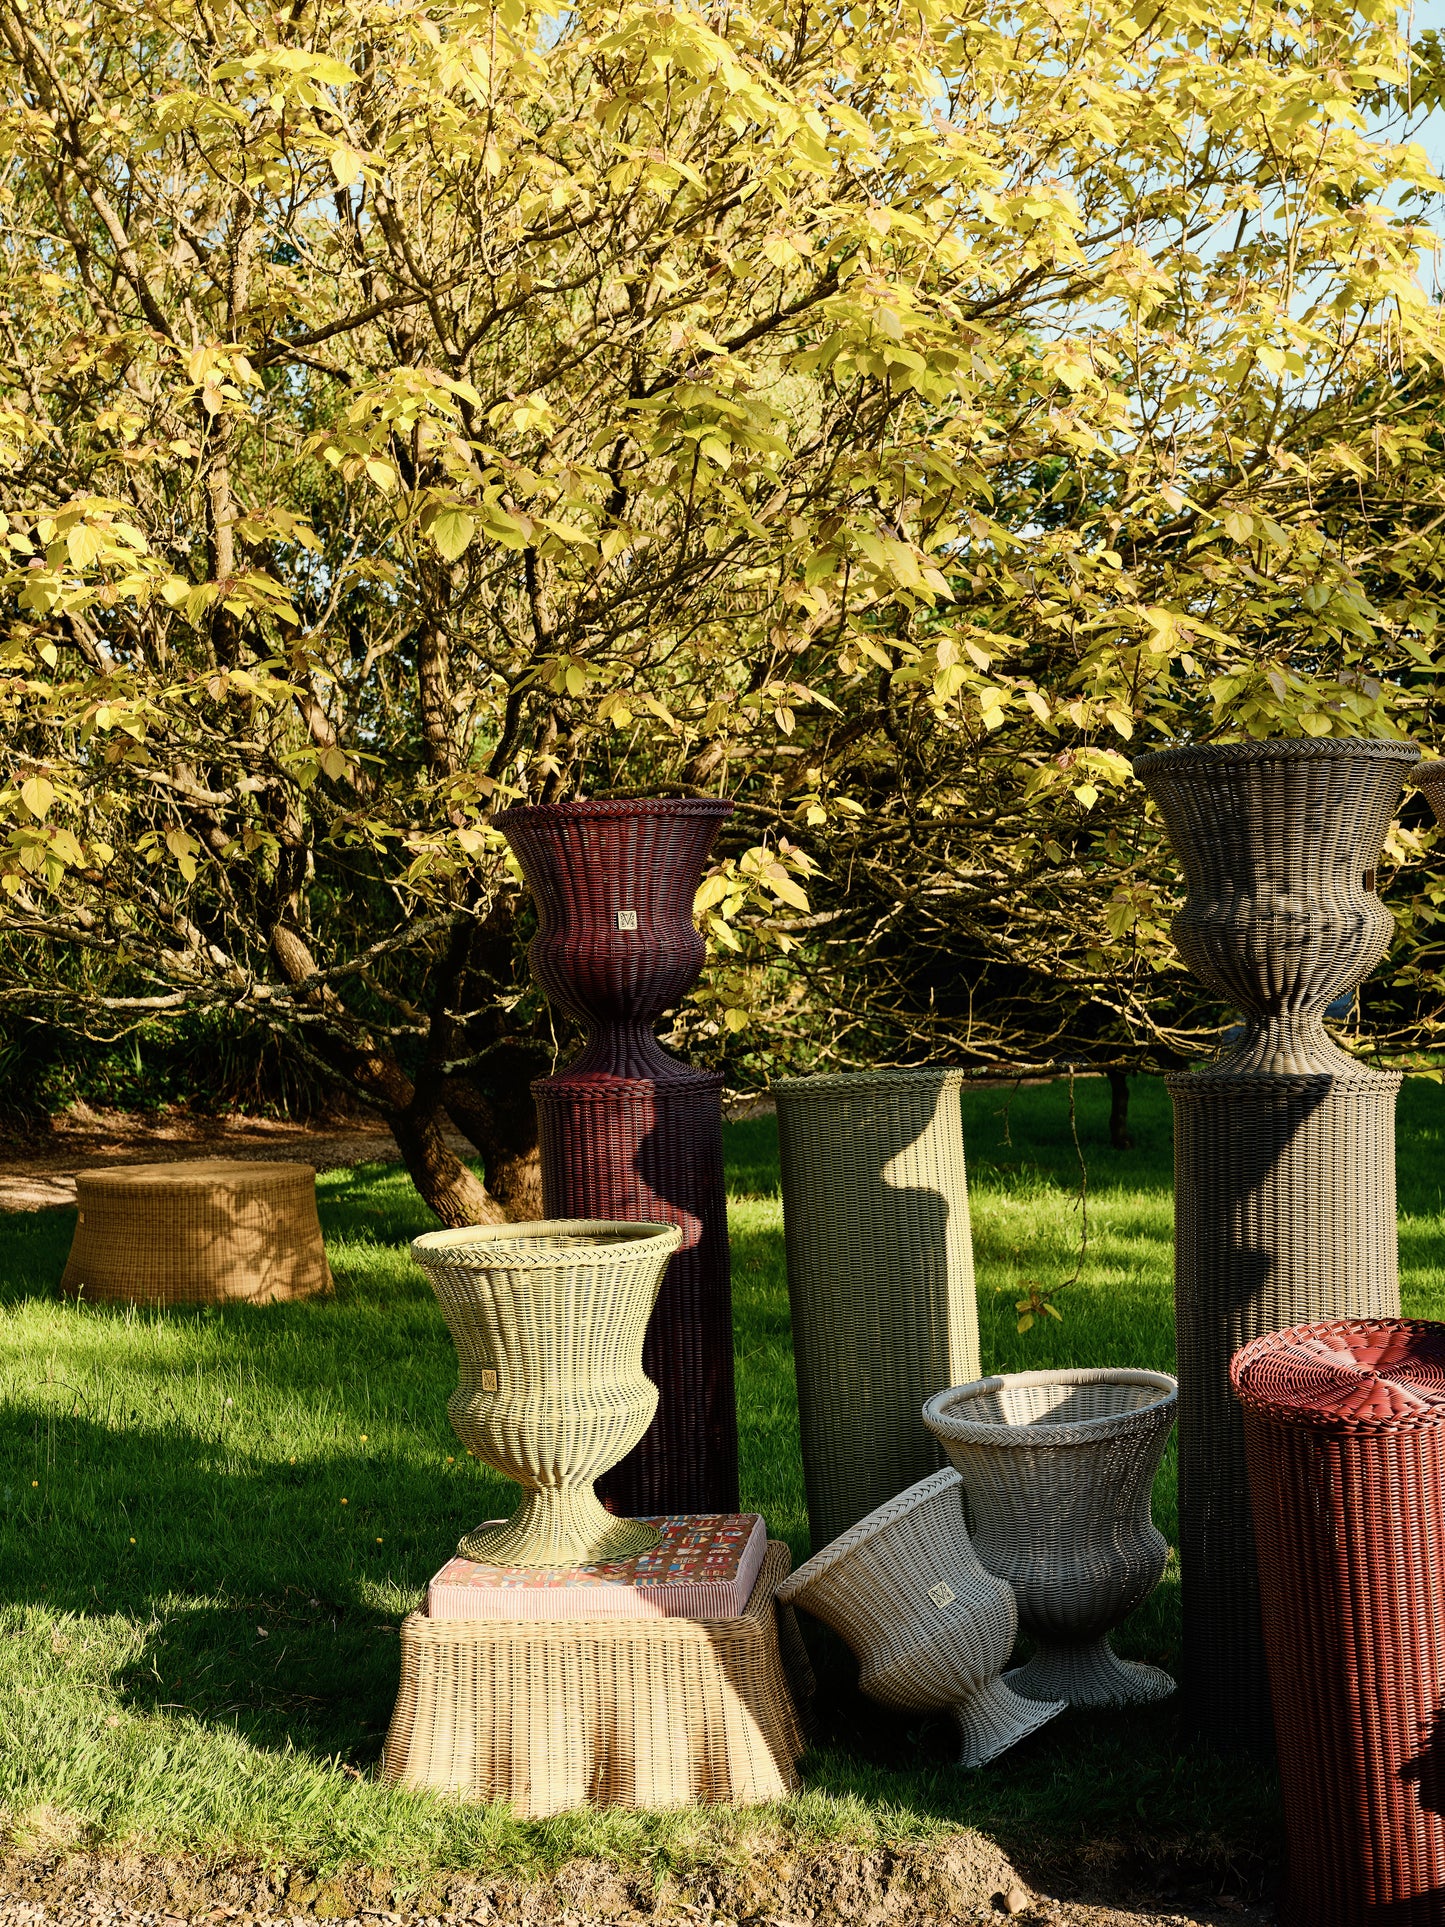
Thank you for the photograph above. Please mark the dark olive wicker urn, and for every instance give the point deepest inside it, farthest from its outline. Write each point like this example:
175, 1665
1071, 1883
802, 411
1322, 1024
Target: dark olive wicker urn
1284, 1149
629, 1131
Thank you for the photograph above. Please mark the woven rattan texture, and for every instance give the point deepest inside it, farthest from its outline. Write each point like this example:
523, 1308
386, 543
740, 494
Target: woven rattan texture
654, 1152
880, 1277
930, 1627
1059, 1469
1345, 1427
548, 1320
208, 1231
629, 1712
628, 1131
1279, 843
1284, 1148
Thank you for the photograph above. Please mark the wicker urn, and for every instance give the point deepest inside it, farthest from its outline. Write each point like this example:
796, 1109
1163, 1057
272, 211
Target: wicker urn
930, 1627
1284, 1146
1059, 1469
548, 1320
627, 1130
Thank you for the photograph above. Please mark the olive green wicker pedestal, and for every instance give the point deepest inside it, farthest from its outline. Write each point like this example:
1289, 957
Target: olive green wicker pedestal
555, 1714
199, 1231
880, 1278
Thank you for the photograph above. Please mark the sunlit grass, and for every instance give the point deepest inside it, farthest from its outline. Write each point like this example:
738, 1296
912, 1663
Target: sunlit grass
198, 1639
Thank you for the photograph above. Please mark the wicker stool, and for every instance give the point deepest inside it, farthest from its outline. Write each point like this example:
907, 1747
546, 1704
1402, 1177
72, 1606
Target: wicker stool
553, 1714
1344, 1426
1059, 1468
930, 1627
880, 1277
204, 1232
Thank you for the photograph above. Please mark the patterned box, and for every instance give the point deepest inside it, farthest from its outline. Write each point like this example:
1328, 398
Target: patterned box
703, 1569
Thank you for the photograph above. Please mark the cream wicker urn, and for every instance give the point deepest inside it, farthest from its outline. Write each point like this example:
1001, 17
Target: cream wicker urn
1059, 1468
930, 1627
548, 1321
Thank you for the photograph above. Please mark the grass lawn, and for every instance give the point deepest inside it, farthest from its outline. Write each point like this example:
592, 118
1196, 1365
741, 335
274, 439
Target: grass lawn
198, 1637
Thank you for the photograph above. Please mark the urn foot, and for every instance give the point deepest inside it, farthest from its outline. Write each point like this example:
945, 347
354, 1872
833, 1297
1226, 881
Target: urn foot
559, 1526
995, 1718
1088, 1675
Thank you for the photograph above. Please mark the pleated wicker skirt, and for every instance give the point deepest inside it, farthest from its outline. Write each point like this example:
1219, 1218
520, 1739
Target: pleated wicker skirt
551, 1715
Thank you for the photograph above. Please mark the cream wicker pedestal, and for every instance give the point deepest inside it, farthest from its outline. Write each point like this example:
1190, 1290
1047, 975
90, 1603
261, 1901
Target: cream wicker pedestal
201, 1231
555, 1714
930, 1627
1059, 1468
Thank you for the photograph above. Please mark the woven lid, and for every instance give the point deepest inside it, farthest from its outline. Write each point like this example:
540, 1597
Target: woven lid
1347, 1375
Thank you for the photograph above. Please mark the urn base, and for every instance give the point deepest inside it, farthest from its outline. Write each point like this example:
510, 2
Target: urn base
1091, 1674
559, 1526
995, 1718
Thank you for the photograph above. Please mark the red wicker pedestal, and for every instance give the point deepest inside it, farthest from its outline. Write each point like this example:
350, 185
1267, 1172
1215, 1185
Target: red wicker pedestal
627, 1130
1344, 1428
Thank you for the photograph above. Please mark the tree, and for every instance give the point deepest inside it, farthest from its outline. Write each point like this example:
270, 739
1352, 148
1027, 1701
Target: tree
884, 416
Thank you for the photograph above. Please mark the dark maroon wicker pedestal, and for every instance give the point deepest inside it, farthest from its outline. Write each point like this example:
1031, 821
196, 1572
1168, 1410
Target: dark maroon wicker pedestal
1344, 1427
627, 1130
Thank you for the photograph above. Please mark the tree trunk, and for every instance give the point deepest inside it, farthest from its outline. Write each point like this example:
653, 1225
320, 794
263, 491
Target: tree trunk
505, 1135
1119, 1111
455, 1193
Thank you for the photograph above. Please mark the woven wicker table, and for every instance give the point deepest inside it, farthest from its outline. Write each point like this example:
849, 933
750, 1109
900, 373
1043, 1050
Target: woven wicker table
556, 1714
207, 1231
880, 1278
1284, 1149
1059, 1468
1344, 1428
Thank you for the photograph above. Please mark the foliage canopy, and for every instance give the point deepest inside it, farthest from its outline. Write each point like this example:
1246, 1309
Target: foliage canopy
887, 415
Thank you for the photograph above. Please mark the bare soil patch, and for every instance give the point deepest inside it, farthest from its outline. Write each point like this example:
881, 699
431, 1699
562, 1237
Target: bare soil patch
965, 1879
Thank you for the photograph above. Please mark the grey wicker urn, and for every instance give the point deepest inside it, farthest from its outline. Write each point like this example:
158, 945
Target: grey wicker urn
1284, 1148
1059, 1469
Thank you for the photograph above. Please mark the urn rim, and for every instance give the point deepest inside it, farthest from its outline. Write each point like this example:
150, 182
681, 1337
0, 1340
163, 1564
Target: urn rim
1272, 749
910, 1078
573, 1242
583, 809
1432, 770
866, 1528
950, 1426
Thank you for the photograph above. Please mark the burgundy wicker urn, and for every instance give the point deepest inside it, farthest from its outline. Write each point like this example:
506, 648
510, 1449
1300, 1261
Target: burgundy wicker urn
629, 1131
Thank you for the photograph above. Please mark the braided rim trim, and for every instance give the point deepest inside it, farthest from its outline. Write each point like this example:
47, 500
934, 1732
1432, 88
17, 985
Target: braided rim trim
1310, 749
1260, 1373
515, 1247
1226, 1083
868, 1526
1427, 773
945, 1422
562, 1089
871, 1083
586, 809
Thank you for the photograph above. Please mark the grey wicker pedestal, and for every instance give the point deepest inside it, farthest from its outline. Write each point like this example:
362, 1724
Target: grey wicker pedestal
880, 1278
1284, 1151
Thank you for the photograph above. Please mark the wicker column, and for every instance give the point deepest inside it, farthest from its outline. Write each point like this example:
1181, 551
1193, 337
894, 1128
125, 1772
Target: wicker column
1345, 1431
629, 1131
1284, 1150
880, 1278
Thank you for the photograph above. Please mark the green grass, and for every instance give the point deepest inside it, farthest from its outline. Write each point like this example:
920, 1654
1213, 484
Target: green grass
198, 1640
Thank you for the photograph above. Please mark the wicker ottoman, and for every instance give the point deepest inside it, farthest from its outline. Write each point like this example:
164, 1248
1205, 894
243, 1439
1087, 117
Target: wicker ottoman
1344, 1429
554, 1714
202, 1232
